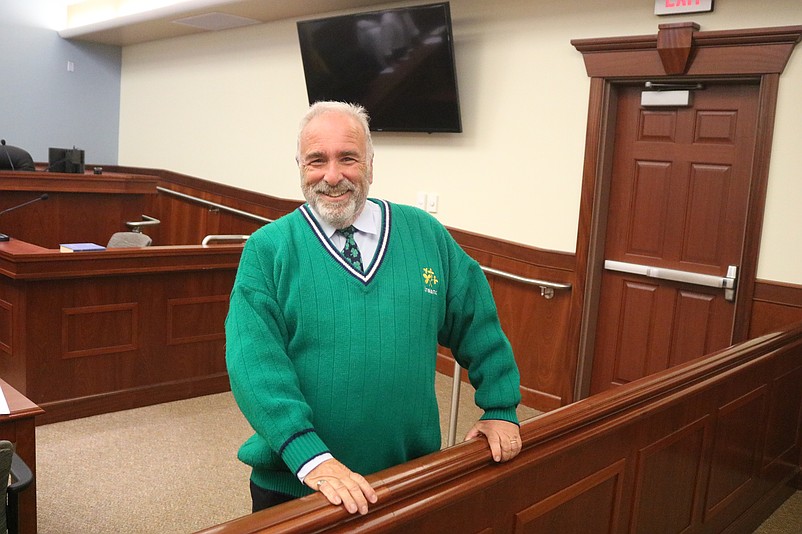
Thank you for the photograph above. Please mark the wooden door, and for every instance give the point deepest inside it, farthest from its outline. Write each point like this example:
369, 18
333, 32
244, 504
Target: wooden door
677, 209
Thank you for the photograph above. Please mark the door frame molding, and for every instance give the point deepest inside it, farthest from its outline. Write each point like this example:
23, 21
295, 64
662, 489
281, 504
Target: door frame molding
678, 52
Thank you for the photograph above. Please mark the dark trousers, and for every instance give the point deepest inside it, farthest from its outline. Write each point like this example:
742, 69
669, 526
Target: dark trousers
264, 498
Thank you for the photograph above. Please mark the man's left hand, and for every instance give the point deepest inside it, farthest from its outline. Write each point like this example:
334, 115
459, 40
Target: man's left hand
503, 437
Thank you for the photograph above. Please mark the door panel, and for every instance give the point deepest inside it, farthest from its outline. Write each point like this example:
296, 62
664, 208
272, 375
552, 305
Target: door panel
678, 200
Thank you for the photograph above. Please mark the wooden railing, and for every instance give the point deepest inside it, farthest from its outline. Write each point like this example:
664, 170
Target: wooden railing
707, 446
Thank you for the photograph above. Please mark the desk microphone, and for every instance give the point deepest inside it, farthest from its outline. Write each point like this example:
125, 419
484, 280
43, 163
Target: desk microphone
8, 157
43, 196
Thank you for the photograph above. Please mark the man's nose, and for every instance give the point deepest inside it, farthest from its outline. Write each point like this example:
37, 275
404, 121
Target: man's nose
333, 175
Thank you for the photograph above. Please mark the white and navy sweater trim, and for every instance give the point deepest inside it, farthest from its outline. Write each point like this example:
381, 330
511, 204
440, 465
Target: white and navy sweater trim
381, 249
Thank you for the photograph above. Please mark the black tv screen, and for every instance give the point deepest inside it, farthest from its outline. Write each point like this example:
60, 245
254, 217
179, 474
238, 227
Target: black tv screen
397, 63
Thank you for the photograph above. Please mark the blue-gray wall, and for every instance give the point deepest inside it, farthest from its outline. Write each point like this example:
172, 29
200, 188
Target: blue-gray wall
42, 104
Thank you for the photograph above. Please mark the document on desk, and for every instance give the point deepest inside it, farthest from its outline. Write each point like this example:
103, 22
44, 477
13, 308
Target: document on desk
3, 404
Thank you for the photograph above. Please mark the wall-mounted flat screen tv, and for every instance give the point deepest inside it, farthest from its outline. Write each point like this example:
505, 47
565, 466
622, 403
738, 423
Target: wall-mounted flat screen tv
397, 63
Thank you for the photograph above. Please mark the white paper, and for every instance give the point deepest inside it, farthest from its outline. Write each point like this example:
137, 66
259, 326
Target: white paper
3, 404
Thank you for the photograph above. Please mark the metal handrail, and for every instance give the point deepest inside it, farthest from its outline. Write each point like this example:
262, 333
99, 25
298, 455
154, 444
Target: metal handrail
546, 288
224, 237
215, 205
147, 220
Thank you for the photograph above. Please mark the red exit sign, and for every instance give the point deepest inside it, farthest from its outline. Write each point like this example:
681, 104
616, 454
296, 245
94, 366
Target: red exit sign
673, 7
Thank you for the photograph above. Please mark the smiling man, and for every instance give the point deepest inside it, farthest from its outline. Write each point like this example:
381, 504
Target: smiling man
334, 322
336, 166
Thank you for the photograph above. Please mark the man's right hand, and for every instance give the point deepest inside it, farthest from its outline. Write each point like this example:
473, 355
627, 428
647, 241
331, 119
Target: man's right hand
340, 485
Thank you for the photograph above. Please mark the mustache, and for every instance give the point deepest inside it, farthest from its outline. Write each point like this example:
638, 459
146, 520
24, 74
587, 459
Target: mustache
342, 187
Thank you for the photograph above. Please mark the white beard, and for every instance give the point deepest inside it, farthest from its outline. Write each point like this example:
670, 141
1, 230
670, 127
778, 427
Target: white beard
336, 214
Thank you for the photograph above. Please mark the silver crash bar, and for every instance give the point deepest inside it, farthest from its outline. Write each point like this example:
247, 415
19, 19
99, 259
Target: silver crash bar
728, 282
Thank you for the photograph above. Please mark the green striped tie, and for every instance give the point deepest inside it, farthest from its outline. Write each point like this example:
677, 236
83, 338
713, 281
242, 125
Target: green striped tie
350, 250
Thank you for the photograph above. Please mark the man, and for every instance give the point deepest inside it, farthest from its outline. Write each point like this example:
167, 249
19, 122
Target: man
331, 354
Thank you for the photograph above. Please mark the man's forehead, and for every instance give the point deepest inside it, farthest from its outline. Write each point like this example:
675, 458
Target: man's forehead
335, 133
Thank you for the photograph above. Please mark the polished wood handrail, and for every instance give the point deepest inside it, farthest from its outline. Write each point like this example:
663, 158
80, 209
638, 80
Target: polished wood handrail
23, 261
50, 182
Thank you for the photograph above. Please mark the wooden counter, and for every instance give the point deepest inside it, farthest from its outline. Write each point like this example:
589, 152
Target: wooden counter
91, 332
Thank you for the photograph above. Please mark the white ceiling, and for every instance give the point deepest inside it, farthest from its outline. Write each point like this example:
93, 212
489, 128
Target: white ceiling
159, 23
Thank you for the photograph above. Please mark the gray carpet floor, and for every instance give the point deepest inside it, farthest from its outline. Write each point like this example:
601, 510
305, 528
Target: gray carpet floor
172, 468
167, 469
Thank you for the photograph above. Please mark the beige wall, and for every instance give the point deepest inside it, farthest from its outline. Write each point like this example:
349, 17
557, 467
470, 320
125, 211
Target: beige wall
224, 106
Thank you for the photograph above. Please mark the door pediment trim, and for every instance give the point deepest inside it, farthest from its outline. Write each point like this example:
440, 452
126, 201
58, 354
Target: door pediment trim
683, 49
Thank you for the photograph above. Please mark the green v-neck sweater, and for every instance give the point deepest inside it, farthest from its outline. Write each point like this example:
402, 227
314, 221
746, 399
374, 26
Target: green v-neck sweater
324, 359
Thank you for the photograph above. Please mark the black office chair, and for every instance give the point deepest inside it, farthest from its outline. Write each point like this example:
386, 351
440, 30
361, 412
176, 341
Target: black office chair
19, 476
13, 158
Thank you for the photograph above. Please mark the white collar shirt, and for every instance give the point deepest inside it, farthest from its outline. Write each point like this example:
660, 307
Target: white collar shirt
368, 228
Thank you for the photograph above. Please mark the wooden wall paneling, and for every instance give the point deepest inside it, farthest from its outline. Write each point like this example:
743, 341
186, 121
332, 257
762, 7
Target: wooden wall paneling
538, 330
669, 477
73, 320
235, 224
737, 454
97, 344
6, 323
183, 223
99, 330
771, 316
83, 207
136, 182
230, 224
775, 306
92, 218
591, 504
13, 345
196, 319
218, 222
28, 223
188, 222
72, 218
784, 421
248, 201
537, 327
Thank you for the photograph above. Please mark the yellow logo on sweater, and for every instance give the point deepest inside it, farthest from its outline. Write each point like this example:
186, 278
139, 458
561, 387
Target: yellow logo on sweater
429, 280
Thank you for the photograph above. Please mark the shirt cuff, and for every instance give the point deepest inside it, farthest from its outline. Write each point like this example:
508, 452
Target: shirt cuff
311, 464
